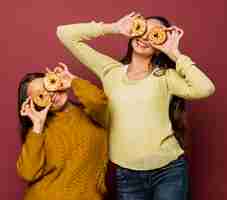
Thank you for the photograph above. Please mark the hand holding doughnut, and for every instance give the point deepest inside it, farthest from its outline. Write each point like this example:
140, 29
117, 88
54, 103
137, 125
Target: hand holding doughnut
58, 79
139, 26
157, 35
171, 46
41, 98
124, 25
38, 118
52, 81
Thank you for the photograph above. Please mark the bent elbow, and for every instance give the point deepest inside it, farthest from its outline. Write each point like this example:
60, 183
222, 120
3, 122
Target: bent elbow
28, 173
207, 91
60, 32
25, 175
210, 89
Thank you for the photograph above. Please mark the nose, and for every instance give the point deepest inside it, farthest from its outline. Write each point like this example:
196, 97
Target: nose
145, 36
51, 94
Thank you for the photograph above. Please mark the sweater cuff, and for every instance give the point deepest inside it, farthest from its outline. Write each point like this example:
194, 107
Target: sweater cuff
38, 137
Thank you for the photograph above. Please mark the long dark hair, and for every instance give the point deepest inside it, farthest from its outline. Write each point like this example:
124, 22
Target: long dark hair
177, 104
25, 122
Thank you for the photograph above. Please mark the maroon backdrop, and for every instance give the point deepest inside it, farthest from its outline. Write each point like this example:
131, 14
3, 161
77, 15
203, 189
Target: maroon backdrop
28, 43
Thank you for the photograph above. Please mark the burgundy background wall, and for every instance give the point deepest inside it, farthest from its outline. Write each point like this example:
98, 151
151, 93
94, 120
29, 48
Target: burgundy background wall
28, 43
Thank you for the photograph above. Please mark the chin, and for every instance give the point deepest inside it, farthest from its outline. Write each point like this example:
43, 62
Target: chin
55, 108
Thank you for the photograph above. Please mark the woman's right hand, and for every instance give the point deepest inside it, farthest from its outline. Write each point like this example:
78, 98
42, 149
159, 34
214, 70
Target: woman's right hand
66, 76
38, 118
124, 25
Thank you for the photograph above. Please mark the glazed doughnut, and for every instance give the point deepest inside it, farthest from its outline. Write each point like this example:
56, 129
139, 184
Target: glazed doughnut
158, 35
139, 26
52, 81
41, 99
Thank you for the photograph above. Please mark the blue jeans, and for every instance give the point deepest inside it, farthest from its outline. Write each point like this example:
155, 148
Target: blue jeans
167, 183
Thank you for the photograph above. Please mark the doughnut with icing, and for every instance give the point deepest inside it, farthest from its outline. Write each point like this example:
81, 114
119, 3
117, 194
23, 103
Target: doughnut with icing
158, 35
41, 98
139, 26
52, 81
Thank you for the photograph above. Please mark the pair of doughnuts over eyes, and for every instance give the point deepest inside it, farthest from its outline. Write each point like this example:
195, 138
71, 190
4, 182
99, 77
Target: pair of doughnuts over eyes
157, 35
52, 82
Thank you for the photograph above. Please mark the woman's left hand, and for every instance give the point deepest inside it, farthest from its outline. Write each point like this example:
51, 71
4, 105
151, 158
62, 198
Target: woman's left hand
171, 46
65, 75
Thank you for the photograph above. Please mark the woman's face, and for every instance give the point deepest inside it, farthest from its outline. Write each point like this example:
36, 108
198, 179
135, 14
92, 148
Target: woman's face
58, 98
141, 45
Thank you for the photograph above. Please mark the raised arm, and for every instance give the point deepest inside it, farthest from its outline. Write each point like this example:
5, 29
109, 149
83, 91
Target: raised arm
188, 81
74, 36
31, 161
93, 99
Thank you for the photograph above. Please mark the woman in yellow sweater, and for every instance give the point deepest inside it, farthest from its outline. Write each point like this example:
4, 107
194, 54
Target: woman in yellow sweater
64, 152
146, 93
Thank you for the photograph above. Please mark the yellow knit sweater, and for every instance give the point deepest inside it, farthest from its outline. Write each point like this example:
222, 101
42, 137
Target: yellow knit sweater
68, 160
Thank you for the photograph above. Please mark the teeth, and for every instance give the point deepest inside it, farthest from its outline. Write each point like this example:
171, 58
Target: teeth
141, 44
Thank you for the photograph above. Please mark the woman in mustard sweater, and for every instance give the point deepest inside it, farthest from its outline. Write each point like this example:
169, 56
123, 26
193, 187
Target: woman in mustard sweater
146, 93
64, 152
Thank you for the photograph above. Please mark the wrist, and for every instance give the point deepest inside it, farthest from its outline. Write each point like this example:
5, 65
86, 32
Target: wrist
111, 28
175, 55
38, 128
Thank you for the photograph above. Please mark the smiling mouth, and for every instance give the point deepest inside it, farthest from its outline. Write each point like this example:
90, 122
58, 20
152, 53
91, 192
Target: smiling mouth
142, 44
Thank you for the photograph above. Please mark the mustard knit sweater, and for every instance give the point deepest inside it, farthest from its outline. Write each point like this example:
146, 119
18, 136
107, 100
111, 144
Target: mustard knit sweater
68, 160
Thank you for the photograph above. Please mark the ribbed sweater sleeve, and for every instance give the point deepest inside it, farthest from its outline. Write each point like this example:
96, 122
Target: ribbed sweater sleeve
74, 36
93, 99
188, 81
30, 164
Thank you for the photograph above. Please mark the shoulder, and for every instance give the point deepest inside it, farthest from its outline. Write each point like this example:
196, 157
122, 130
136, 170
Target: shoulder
171, 72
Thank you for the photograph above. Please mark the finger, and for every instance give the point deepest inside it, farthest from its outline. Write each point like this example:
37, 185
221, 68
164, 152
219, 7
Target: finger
48, 70
131, 14
30, 114
58, 70
181, 33
137, 16
23, 112
25, 103
178, 33
179, 30
64, 66
32, 105
174, 34
169, 35
169, 28
48, 108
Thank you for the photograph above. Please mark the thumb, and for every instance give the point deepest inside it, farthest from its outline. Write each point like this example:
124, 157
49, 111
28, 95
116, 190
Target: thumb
45, 110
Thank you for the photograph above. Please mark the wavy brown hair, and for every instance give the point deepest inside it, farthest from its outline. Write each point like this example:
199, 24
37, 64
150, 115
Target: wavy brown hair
24, 122
177, 104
